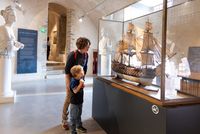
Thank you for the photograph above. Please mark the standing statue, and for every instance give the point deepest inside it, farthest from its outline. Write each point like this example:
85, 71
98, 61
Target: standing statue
105, 47
8, 47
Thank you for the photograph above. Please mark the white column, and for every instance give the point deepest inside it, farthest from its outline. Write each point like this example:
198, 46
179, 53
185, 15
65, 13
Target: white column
106, 64
6, 94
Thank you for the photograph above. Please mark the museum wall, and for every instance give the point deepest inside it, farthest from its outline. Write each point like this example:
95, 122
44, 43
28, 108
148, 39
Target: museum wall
183, 29
35, 17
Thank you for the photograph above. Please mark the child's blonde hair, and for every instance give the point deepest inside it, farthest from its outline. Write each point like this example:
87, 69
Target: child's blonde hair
75, 70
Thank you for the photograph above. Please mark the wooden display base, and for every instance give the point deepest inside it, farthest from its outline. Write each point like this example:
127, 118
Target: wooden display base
190, 84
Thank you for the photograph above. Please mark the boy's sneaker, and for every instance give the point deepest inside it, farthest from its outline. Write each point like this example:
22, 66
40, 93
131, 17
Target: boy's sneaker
81, 129
65, 126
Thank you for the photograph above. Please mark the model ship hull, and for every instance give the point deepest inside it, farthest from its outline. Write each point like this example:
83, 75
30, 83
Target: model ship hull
143, 76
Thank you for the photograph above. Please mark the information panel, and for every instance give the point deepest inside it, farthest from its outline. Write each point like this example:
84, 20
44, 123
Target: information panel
27, 57
194, 59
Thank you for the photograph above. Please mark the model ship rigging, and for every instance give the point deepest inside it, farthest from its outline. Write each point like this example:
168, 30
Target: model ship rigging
138, 59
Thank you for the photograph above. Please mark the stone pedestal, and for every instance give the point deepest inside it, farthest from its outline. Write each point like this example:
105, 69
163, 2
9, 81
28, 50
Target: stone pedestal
106, 64
11, 98
6, 94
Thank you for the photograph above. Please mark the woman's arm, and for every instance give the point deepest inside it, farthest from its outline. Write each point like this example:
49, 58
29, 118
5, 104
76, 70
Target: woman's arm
67, 81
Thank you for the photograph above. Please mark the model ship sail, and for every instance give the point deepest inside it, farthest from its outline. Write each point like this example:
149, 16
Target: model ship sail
146, 53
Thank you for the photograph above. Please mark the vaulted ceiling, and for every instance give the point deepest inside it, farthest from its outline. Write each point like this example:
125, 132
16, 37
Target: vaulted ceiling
98, 8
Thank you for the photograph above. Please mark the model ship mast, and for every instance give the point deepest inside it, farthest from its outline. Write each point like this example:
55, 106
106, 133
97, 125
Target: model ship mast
127, 46
147, 46
146, 52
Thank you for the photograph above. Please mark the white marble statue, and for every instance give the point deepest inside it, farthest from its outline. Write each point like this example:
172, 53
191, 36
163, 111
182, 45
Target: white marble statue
8, 43
105, 49
8, 47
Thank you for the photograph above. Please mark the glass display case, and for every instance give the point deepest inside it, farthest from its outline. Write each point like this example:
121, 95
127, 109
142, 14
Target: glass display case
155, 47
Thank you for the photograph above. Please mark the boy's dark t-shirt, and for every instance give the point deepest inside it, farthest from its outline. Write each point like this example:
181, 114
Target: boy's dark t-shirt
78, 97
76, 58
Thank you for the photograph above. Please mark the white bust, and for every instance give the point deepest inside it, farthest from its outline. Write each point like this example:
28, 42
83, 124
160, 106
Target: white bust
8, 43
105, 44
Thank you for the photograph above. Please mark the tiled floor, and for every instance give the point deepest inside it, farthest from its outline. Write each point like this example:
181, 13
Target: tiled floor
38, 108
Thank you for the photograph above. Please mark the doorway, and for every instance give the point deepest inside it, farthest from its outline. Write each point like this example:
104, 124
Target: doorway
95, 58
57, 24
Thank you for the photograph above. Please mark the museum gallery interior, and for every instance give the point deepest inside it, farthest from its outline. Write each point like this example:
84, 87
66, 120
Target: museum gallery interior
143, 68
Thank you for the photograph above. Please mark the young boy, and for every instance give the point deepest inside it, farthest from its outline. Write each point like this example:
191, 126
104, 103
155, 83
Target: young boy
78, 57
76, 100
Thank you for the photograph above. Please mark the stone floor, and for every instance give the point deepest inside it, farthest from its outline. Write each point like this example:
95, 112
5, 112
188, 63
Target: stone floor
38, 107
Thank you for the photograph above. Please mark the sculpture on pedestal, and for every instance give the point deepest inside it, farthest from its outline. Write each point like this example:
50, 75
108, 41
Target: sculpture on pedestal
8, 47
105, 47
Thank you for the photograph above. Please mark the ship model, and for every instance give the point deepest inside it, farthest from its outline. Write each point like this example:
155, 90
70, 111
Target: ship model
137, 58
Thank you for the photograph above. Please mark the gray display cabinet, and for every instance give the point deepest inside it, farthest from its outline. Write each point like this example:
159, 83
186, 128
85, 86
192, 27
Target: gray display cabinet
119, 109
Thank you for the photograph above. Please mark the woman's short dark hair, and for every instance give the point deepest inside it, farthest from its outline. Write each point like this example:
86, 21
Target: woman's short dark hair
82, 42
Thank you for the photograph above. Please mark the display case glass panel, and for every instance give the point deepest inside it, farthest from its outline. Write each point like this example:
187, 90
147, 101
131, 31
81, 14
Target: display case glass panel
136, 34
110, 32
183, 68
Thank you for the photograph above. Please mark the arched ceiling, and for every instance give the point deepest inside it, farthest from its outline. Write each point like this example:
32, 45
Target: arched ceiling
96, 9
107, 7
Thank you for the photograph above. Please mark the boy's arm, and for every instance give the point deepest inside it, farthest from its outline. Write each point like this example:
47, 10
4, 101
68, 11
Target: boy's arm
79, 87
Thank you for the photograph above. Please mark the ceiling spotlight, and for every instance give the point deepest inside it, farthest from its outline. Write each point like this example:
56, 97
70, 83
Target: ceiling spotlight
81, 19
18, 5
